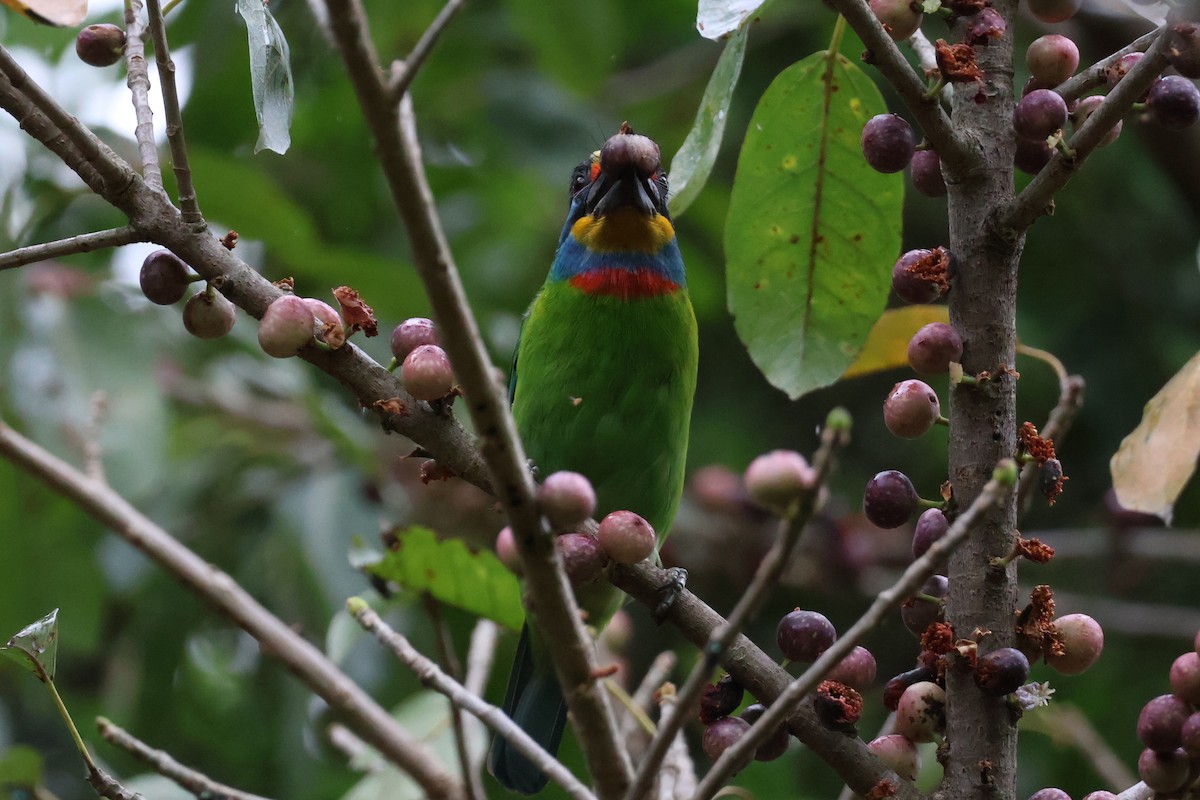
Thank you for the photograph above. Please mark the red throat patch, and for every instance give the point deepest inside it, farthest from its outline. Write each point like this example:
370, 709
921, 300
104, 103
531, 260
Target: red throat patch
627, 284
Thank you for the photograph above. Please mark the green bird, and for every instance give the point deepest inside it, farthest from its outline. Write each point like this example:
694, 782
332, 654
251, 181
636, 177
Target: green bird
602, 384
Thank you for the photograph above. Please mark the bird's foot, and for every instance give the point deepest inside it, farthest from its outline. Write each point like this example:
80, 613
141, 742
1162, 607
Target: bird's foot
669, 592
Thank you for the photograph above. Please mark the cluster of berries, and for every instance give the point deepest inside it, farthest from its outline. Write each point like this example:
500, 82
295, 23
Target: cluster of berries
165, 278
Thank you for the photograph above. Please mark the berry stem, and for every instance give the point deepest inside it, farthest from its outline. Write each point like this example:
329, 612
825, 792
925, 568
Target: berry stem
923, 503
392, 365
942, 421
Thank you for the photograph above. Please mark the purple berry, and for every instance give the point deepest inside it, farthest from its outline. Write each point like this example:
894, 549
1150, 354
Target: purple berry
927, 174
922, 276
778, 479
427, 374
1164, 772
984, 27
628, 149
911, 409
1160, 725
582, 557
506, 550
626, 538
1049, 794
287, 326
1100, 795
1083, 641
933, 348
894, 689
1031, 156
1184, 49
900, 18
1086, 107
888, 143
1051, 60
899, 753
567, 499
1120, 68
1039, 114
856, 670
921, 711
918, 613
1174, 103
720, 699
931, 526
1189, 735
804, 635
209, 316
1002, 671
722, 735
1197, 642
411, 334
889, 499
100, 45
776, 744
1054, 10
164, 278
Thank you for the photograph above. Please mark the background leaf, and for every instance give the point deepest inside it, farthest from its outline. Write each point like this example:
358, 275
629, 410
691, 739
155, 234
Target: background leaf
1158, 458
692, 165
270, 76
887, 342
812, 230
475, 582
36, 642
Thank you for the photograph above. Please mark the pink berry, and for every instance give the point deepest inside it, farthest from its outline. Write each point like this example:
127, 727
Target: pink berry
1083, 642
1049, 794
1084, 109
626, 538
1160, 723
582, 557
427, 374
100, 45
411, 334
900, 18
921, 711
899, 753
1164, 772
984, 27
1185, 677
932, 349
1039, 114
1054, 10
1189, 735
287, 326
1120, 68
1051, 60
778, 479
911, 409
567, 499
1100, 795
856, 670
209, 316
506, 550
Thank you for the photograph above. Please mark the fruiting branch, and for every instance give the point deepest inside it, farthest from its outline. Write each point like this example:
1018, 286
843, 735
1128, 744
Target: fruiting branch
1095, 76
83, 243
161, 762
993, 493
138, 80
275, 637
431, 675
170, 95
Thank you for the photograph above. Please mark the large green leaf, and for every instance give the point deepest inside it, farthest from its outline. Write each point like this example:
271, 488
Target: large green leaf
812, 230
474, 581
693, 163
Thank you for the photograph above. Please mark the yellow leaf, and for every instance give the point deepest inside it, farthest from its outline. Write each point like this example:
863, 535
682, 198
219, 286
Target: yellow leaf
887, 343
1158, 458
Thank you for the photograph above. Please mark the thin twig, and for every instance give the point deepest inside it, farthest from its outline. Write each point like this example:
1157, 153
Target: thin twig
677, 777
161, 762
405, 71
481, 652
643, 696
188, 204
138, 81
1032, 202
891, 63
431, 675
394, 131
453, 667
1097, 74
1000, 486
765, 578
368, 719
82, 243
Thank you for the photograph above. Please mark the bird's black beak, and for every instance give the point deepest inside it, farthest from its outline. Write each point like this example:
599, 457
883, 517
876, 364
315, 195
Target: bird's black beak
629, 176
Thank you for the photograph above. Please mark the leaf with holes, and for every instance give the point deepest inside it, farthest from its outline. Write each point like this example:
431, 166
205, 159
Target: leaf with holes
476, 582
812, 230
887, 343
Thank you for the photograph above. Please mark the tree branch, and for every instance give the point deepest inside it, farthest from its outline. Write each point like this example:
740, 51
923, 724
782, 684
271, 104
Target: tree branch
885, 56
83, 243
404, 72
1096, 75
431, 675
996, 490
138, 81
161, 762
834, 435
1032, 202
170, 95
275, 637
558, 615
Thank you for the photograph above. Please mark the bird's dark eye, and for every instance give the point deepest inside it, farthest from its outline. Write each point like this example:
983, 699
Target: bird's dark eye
579, 179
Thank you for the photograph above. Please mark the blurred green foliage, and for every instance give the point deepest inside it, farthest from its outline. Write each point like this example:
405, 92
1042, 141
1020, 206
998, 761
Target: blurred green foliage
268, 469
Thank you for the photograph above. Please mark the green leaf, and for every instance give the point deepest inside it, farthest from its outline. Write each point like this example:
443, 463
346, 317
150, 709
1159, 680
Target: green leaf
812, 230
887, 343
20, 766
1156, 461
716, 19
692, 165
36, 645
475, 582
270, 76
